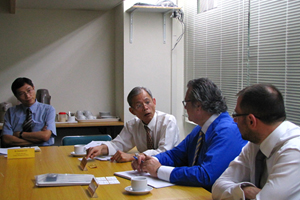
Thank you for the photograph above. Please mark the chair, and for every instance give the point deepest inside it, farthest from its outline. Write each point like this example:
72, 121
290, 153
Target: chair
83, 139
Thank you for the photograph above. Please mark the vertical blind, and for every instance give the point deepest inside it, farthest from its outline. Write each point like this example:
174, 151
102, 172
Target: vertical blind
240, 43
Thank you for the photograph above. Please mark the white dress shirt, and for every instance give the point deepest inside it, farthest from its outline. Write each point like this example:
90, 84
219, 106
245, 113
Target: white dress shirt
163, 129
164, 172
282, 149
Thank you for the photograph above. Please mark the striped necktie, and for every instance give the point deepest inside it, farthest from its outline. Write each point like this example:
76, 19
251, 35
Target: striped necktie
260, 164
150, 144
199, 142
27, 125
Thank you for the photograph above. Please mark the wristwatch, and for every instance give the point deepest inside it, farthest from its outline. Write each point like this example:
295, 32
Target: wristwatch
20, 135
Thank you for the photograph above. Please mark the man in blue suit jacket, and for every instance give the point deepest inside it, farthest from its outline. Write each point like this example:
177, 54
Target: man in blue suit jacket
207, 151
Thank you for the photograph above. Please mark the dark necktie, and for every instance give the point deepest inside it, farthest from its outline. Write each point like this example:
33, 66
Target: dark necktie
260, 163
199, 142
27, 125
150, 144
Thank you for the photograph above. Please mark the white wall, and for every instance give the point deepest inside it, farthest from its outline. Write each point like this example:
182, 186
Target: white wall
147, 61
70, 53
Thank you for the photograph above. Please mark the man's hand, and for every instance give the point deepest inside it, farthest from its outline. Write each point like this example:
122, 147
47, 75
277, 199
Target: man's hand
17, 134
120, 156
96, 151
151, 165
137, 164
250, 192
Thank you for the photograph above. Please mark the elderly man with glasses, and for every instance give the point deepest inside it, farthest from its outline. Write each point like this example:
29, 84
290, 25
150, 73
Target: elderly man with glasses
151, 131
206, 152
268, 166
31, 123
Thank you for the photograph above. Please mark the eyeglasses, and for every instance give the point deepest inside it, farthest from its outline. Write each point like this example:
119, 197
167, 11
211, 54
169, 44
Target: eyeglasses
28, 91
184, 102
234, 115
139, 106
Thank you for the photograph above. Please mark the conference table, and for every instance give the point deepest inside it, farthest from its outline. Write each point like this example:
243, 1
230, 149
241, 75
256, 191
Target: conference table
17, 179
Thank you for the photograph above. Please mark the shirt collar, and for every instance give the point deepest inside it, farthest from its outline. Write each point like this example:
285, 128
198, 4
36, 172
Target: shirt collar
270, 142
32, 108
208, 122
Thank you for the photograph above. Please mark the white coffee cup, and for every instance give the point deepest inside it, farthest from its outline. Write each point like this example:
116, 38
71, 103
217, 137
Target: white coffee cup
71, 119
79, 149
139, 183
81, 117
79, 112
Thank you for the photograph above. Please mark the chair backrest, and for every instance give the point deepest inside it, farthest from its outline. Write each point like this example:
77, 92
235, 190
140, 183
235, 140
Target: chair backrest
83, 139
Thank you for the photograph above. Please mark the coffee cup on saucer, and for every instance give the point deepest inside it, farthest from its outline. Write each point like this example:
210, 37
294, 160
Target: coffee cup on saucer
79, 149
139, 183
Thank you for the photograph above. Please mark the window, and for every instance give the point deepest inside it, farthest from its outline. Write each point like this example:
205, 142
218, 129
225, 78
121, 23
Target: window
205, 5
235, 49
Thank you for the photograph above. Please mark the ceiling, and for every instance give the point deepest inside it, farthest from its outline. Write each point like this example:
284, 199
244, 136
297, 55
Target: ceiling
68, 4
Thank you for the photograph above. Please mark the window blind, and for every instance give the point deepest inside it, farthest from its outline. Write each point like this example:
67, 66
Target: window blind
241, 43
216, 45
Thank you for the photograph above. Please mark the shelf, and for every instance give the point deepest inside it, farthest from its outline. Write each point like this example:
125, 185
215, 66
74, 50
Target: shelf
157, 9
154, 9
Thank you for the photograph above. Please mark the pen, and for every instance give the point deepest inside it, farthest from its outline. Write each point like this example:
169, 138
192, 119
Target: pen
137, 158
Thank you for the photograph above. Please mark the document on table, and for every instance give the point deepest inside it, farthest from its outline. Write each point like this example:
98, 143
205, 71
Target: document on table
154, 182
93, 144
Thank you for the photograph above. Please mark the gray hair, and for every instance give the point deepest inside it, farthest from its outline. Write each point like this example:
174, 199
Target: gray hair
208, 94
136, 91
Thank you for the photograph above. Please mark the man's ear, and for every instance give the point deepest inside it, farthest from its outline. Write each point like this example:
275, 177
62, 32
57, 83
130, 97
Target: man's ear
252, 121
154, 101
131, 110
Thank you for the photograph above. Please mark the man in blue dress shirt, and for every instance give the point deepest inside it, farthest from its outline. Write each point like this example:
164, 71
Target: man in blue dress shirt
40, 129
207, 151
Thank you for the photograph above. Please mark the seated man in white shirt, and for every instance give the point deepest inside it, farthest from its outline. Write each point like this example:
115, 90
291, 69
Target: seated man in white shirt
260, 115
163, 130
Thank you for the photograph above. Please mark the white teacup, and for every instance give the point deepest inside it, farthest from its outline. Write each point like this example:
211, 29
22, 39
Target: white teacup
91, 117
79, 149
79, 112
81, 117
139, 183
71, 119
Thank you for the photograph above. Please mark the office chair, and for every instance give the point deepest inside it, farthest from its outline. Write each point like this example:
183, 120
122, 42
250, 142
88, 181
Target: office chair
83, 139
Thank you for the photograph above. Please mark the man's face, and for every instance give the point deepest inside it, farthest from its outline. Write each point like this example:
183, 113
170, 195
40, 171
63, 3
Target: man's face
189, 106
242, 123
26, 95
143, 106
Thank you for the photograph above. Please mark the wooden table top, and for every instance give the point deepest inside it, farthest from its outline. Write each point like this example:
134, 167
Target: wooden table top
17, 179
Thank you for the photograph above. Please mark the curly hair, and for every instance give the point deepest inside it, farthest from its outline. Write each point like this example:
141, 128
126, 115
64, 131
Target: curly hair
203, 90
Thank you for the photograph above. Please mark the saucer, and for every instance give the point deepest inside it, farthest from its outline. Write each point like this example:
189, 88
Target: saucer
76, 155
146, 191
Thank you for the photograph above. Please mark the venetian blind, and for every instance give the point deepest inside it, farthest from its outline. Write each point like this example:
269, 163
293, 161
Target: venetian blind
216, 45
274, 49
235, 49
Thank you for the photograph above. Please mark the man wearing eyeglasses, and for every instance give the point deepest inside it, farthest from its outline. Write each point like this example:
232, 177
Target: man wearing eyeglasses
207, 151
151, 131
268, 166
31, 123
